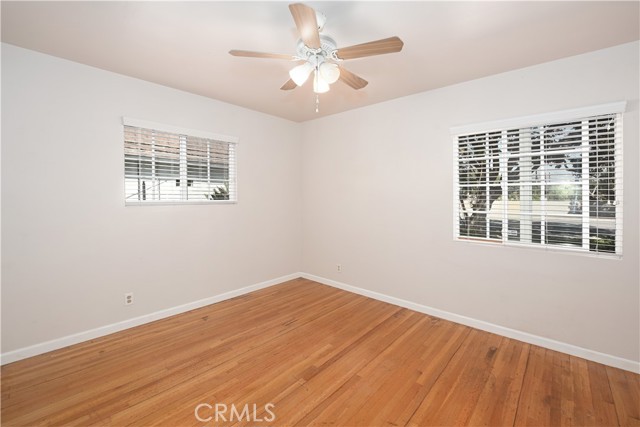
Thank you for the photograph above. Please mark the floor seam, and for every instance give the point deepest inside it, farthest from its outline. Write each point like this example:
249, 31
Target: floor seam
439, 375
526, 371
370, 361
615, 407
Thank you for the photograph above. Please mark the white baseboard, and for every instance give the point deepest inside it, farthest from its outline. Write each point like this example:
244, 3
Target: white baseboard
55, 344
605, 359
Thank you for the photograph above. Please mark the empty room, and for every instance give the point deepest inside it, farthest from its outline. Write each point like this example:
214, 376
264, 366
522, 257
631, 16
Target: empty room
331, 213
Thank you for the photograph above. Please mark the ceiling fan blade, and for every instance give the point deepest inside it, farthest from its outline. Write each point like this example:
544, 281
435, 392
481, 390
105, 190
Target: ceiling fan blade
378, 47
351, 79
251, 54
290, 84
305, 19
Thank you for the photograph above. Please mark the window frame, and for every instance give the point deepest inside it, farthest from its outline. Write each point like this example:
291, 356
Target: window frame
546, 119
182, 132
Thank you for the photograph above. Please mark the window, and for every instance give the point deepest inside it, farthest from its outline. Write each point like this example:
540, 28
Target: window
556, 183
164, 164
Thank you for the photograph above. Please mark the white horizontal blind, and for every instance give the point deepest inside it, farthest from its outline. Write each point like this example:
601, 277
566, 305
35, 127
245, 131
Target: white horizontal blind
553, 185
163, 166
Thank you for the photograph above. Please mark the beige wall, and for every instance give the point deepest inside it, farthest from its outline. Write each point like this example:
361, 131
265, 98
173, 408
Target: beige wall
378, 200
71, 249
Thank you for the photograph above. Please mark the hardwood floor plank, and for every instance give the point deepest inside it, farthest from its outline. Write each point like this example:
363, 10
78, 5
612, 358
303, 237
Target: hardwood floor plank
498, 401
591, 403
625, 388
453, 398
360, 389
393, 384
541, 391
564, 390
253, 377
601, 396
329, 375
324, 357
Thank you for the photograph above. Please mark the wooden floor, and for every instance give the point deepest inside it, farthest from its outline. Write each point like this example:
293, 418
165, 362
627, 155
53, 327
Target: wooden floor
323, 357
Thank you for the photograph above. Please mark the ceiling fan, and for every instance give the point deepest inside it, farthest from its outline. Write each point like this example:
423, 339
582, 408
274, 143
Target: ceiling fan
321, 55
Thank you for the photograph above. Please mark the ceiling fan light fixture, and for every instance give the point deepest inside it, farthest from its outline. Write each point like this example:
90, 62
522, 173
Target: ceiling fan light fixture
329, 72
301, 73
320, 85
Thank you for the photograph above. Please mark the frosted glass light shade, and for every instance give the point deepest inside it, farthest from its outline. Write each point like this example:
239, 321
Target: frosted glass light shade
320, 85
300, 74
329, 72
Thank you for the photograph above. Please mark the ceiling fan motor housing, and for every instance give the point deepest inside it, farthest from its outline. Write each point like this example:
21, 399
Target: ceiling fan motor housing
326, 51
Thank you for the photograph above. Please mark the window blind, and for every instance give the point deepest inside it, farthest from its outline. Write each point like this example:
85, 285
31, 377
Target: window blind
163, 166
553, 185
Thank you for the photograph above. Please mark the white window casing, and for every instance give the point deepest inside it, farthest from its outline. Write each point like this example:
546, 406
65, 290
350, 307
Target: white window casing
170, 165
551, 181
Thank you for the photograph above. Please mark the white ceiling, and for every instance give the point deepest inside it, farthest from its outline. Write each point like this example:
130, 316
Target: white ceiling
184, 45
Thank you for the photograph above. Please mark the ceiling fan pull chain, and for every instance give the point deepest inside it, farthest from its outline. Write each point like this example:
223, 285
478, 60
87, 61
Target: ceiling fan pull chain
317, 103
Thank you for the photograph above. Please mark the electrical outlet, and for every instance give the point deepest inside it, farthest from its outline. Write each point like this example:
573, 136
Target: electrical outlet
128, 298
339, 267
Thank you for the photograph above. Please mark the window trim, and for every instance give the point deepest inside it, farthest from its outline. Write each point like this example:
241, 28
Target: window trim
127, 121
146, 124
540, 119
618, 108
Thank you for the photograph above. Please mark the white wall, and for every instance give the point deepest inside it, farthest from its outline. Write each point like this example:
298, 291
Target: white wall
70, 249
378, 200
